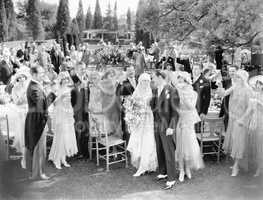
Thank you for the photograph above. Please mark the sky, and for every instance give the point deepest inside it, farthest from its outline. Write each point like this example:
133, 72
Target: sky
122, 5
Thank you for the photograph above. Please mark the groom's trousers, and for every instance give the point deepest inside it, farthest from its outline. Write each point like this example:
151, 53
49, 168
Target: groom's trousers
165, 147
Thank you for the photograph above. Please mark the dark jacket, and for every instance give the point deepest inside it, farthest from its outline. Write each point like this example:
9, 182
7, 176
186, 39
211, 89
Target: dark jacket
203, 88
164, 107
5, 72
36, 116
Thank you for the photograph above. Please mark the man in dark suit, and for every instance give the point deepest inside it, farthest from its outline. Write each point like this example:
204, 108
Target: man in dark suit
124, 90
164, 103
5, 72
80, 95
35, 138
202, 86
183, 60
56, 58
155, 52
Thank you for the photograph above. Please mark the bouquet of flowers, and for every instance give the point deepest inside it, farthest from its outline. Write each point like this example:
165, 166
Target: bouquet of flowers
134, 113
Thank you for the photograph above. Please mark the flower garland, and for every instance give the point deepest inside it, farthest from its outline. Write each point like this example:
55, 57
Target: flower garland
110, 56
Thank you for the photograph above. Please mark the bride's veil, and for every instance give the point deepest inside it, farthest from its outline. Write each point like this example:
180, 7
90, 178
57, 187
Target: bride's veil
142, 90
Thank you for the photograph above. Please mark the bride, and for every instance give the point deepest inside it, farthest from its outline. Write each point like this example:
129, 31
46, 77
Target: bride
142, 143
64, 142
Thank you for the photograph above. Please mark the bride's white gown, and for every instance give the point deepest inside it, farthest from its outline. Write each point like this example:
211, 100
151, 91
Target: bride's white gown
142, 144
64, 141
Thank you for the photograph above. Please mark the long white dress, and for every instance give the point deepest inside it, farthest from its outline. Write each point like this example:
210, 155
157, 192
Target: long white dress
20, 99
187, 147
64, 142
142, 144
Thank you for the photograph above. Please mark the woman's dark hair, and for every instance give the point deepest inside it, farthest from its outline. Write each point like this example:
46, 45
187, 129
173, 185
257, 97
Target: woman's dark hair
159, 73
19, 53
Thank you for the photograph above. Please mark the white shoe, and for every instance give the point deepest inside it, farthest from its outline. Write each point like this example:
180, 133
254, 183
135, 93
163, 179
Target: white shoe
58, 166
66, 164
169, 185
257, 174
161, 176
138, 173
181, 176
188, 173
235, 171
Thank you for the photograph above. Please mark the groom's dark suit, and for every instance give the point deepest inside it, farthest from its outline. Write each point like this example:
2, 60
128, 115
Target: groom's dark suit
165, 116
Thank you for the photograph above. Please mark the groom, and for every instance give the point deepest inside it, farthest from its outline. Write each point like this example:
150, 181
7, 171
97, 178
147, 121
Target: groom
36, 119
164, 103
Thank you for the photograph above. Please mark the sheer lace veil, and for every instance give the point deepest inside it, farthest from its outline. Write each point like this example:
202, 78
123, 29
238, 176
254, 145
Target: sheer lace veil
143, 89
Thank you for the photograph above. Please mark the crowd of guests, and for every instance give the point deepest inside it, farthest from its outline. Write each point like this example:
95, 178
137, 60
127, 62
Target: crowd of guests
46, 90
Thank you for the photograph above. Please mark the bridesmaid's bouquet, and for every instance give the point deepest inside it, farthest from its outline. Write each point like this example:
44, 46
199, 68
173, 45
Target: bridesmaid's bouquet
134, 112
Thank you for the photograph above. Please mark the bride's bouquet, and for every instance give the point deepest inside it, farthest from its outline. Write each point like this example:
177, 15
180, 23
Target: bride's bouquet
134, 112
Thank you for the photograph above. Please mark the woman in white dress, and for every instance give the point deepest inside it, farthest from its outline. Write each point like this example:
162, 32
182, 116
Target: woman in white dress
188, 153
64, 141
253, 120
236, 139
20, 81
142, 144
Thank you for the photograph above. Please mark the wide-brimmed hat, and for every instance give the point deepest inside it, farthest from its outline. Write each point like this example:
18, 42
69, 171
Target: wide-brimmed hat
243, 75
253, 80
24, 71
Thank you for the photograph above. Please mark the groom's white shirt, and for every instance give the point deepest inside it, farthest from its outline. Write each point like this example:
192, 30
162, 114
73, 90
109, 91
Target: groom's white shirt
133, 82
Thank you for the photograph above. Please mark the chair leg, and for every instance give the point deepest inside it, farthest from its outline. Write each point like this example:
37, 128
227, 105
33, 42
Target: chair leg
97, 152
90, 148
126, 157
107, 159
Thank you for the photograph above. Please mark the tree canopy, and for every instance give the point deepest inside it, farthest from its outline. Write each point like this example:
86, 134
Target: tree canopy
97, 18
80, 17
88, 20
63, 17
229, 23
3, 22
34, 20
108, 19
128, 20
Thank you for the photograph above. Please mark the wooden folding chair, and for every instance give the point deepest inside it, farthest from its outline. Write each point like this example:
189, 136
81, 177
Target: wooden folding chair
104, 143
5, 137
210, 137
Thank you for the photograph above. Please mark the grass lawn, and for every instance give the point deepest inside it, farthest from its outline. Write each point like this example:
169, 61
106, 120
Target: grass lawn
85, 181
